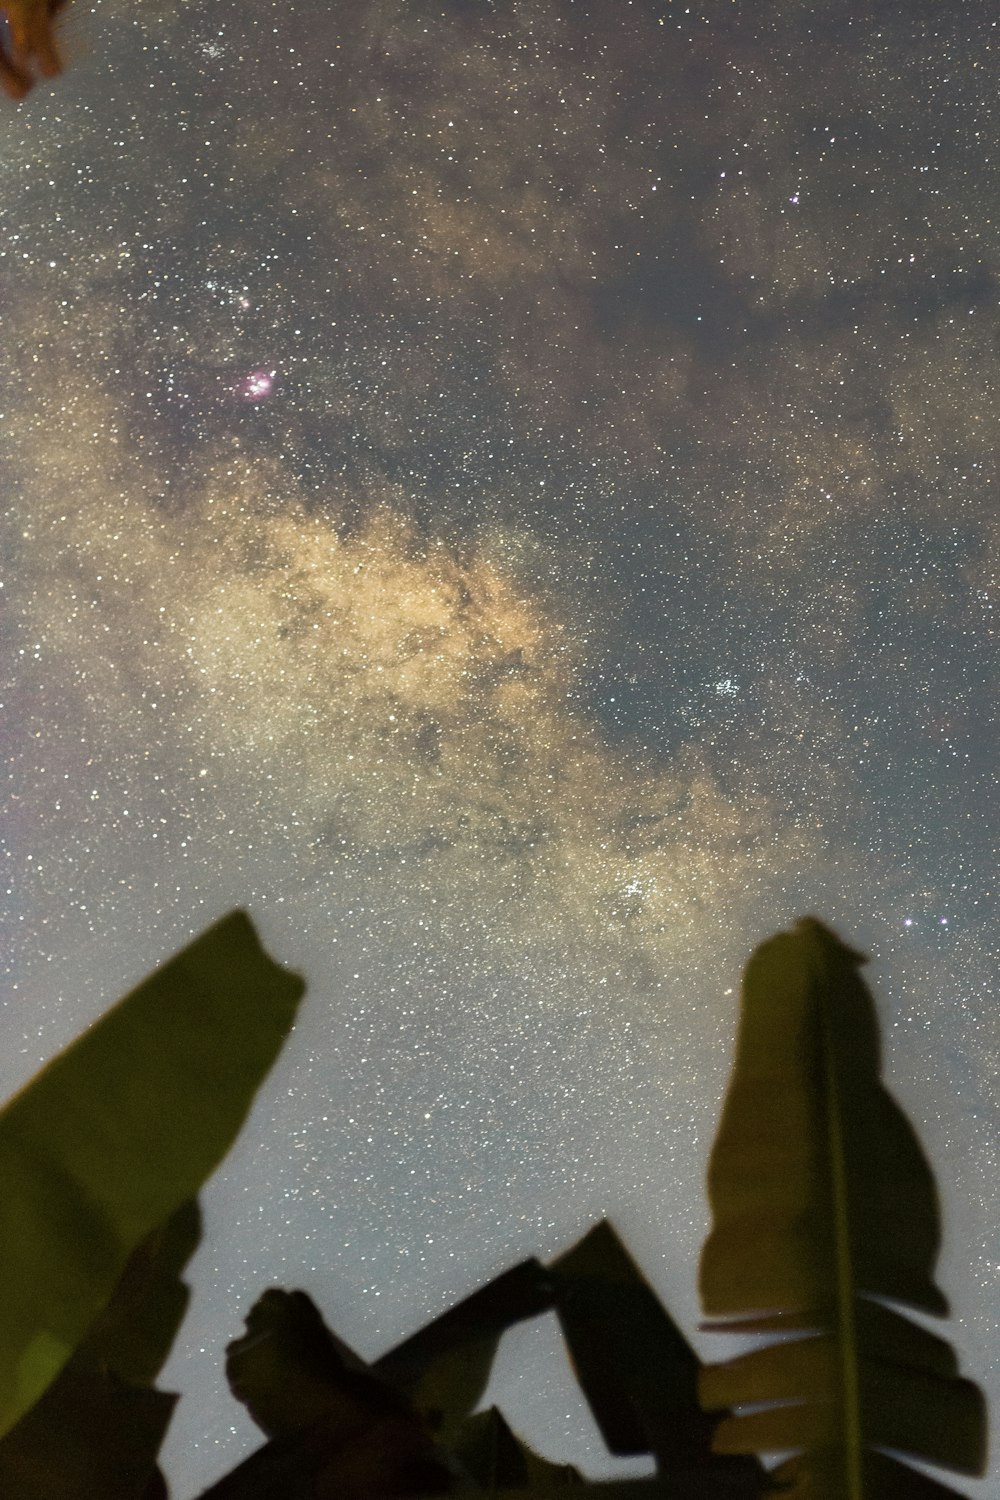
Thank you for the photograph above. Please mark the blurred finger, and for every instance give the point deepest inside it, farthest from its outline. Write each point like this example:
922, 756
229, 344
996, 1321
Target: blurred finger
12, 80
32, 39
47, 51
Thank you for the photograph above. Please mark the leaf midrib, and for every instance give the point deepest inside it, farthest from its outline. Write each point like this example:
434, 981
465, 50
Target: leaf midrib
847, 1346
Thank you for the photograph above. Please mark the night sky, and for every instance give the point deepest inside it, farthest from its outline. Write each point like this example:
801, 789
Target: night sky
507, 493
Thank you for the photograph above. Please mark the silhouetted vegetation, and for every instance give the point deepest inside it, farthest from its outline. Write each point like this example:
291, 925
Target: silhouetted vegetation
825, 1221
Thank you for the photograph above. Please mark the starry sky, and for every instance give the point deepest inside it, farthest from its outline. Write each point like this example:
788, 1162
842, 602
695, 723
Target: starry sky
505, 490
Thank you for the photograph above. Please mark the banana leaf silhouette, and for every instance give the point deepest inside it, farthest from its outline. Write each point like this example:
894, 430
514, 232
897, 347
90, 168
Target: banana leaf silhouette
119, 1130
825, 1212
335, 1427
98, 1427
497, 1459
638, 1371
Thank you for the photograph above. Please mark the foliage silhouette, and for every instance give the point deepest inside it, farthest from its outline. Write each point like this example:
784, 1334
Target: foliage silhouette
99, 1426
824, 1211
102, 1149
338, 1426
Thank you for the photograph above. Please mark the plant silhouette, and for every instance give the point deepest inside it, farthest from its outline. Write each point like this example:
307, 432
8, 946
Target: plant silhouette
824, 1218
825, 1213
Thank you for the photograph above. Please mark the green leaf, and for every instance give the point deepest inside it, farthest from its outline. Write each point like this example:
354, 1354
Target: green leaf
117, 1132
881, 1475
823, 1202
135, 1331
95, 1432
636, 1368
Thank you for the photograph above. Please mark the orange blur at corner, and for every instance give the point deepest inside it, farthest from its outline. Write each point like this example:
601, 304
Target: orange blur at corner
28, 47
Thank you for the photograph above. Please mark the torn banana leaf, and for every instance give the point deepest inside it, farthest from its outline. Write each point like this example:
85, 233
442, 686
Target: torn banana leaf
824, 1208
